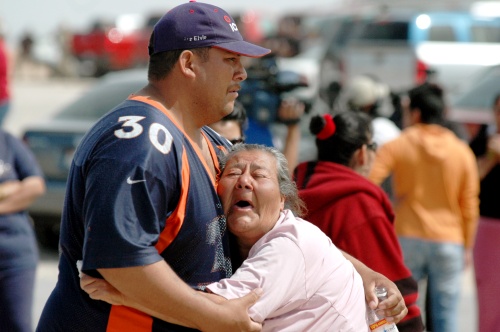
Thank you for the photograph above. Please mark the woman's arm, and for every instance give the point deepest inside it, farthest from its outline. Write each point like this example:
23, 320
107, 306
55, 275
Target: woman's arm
18, 195
291, 110
156, 290
394, 306
100, 289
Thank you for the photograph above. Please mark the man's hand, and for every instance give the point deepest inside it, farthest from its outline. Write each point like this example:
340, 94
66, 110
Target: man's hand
204, 314
291, 110
100, 289
394, 307
235, 313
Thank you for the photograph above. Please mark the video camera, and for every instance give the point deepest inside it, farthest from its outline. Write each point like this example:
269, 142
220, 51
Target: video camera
262, 92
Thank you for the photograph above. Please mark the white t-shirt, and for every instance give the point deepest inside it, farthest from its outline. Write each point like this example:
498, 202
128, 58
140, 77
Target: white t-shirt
384, 130
308, 284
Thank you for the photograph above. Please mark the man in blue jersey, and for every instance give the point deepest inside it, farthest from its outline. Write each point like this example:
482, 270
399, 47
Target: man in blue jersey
141, 209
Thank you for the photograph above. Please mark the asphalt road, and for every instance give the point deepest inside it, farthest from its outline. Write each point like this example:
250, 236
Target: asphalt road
37, 98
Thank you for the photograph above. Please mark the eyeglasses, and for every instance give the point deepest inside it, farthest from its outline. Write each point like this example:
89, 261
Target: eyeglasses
237, 140
372, 146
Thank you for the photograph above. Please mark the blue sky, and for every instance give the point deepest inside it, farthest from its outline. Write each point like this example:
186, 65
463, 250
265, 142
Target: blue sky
44, 16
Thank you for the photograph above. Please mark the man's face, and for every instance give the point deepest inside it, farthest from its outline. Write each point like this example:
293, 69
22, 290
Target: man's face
228, 129
250, 194
218, 82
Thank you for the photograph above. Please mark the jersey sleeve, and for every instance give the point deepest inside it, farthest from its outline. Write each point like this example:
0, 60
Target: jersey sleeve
277, 267
25, 162
130, 185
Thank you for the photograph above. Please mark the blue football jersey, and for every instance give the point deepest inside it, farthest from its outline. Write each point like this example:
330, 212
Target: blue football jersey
138, 192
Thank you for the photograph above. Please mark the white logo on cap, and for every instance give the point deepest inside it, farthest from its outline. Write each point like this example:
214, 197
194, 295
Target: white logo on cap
233, 27
195, 38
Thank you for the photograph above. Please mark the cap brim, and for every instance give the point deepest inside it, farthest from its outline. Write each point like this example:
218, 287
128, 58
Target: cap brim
244, 48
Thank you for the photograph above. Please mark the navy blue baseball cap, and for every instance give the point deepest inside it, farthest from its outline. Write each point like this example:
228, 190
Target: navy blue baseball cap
196, 24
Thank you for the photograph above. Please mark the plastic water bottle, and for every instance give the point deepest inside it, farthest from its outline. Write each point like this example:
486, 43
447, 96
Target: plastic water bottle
376, 321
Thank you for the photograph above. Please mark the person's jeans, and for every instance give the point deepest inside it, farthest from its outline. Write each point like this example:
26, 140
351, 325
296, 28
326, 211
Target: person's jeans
442, 264
16, 299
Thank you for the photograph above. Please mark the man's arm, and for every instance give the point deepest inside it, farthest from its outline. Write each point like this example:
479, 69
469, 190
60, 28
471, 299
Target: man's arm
17, 195
394, 306
290, 111
155, 288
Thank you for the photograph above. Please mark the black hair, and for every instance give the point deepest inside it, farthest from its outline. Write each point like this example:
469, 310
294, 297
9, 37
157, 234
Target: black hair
161, 63
428, 98
353, 129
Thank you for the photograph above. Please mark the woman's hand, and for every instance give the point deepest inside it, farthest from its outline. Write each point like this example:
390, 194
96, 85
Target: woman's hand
100, 289
8, 188
394, 307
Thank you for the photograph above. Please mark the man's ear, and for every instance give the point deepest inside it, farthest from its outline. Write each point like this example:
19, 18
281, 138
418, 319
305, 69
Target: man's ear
186, 63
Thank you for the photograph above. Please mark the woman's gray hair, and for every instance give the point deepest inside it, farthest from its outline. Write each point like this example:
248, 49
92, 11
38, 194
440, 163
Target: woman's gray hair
287, 187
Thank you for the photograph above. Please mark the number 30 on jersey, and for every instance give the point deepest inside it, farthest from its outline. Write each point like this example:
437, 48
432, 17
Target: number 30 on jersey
135, 129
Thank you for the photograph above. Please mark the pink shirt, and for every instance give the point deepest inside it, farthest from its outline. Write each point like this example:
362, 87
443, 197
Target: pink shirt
308, 284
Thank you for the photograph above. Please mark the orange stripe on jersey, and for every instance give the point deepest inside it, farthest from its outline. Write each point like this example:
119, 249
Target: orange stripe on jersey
164, 110
123, 318
176, 219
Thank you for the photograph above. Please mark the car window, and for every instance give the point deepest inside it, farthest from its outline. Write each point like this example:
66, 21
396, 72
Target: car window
442, 33
382, 30
99, 100
485, 34
482, 93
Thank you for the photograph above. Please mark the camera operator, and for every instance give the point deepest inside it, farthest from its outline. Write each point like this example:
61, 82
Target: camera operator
290, 112
233, 126
268, 102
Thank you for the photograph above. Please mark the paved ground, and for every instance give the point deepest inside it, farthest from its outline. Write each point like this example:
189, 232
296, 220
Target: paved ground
36, 98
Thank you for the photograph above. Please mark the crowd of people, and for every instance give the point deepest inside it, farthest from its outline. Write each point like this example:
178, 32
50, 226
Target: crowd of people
174, 220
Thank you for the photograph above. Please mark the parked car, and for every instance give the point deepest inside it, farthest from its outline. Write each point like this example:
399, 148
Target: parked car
54, 142
401, 48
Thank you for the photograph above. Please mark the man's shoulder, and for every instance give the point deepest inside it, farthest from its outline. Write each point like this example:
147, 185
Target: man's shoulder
129, 131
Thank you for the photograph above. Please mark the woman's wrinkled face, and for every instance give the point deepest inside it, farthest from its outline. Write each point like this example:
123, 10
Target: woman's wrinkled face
250, 194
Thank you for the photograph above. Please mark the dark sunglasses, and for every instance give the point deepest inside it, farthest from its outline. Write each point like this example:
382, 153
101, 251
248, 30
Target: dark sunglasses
372, 146
237, 140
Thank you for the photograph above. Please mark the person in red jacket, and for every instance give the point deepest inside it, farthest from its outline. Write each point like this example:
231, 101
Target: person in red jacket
354, 212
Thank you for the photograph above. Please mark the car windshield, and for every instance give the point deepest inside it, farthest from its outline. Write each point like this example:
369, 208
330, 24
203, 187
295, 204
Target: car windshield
483, 92
485, 34
382, 30
100, 100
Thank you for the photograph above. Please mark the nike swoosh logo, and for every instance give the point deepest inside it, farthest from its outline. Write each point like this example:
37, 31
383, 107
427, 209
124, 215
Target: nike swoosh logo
130, 181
